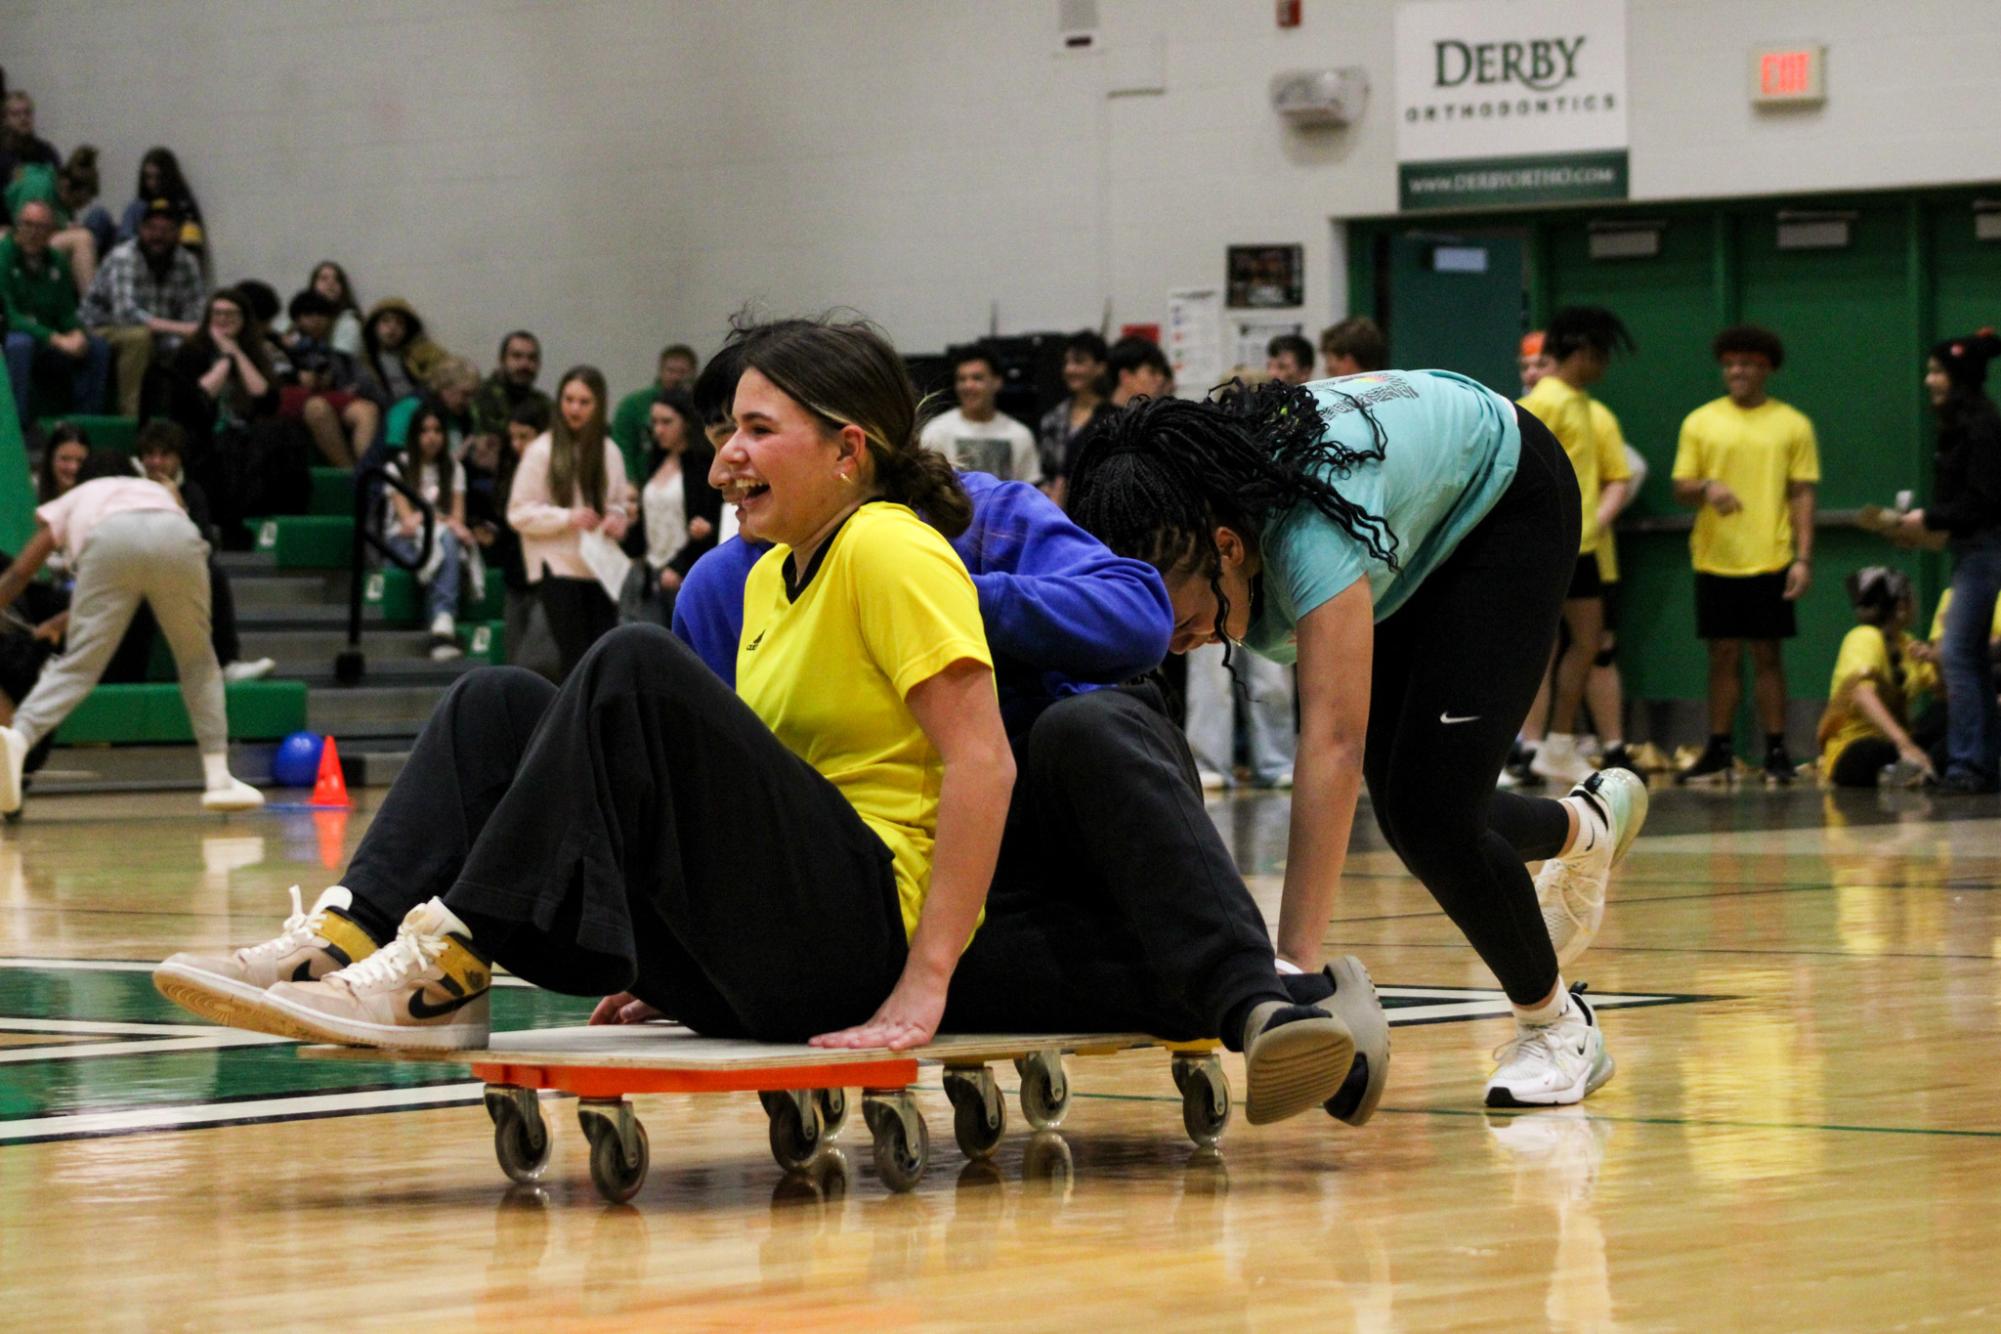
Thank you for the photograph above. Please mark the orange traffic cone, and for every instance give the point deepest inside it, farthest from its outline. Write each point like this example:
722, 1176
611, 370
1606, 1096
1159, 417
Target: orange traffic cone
331, 787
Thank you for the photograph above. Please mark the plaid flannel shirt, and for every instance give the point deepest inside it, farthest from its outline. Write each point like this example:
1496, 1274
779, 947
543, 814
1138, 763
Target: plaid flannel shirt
126, 292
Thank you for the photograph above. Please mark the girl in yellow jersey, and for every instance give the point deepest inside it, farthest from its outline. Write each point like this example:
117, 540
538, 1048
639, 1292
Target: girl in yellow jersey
1880, 669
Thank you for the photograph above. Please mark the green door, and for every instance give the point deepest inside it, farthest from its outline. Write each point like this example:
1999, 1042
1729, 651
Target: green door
1455, 302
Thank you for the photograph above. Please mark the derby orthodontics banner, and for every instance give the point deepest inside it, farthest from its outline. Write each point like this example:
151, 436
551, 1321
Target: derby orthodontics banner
1510, 102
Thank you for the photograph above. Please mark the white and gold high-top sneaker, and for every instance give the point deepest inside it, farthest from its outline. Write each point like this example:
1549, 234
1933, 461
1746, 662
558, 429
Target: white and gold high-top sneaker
426, 989
228, 988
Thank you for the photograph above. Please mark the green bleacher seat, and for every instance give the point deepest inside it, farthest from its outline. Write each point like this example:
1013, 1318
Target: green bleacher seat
306, 541
153, 713
395, 591
117, 433
333, 493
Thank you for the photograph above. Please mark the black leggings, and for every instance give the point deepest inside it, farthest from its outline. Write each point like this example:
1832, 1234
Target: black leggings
1456, 669
641, 829
1862, 760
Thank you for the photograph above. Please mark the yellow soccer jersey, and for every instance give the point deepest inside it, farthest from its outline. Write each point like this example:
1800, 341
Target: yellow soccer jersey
828, 670
1611, 444
1756, 452
1865, 656
1566, 411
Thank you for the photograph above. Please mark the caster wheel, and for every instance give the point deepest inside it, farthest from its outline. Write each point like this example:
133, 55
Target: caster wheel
833, 1105
522, 1146
521, 1140
797, 1132
1205, 1100
1045, 1090
900, 1158
616, 1179
979, 1115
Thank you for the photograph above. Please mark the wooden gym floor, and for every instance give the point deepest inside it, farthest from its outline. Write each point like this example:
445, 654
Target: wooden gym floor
1804, 1132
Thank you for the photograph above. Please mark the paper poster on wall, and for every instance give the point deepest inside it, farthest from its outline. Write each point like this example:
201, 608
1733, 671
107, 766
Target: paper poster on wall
1250, 335
1193, 339
1515, 103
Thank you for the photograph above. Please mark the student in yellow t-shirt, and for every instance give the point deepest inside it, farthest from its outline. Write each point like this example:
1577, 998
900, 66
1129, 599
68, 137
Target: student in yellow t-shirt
1581, 341
1748, 465
1867, 724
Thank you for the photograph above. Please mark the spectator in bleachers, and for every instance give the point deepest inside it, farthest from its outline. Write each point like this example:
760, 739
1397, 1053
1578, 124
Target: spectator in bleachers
1138, 369
1084, 376
141, 548
330, 281
1881, 668
19, 144
976, 435
324, 389
1966, 507
631, 424
427, 467
450, 388
1354, 346
68, 446
1748, 465
160, 178
77, 190
146, 298
38, 182
570, 483
678, 510
44, 338
1289, 359
223, 389
160, 449
511, 384
397, 355
528, 641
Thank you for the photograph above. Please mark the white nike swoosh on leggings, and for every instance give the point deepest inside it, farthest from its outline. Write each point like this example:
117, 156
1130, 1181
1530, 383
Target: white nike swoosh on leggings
1448, 719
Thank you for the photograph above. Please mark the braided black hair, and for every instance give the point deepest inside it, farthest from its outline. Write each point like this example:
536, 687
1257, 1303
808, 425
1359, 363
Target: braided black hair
1157, 479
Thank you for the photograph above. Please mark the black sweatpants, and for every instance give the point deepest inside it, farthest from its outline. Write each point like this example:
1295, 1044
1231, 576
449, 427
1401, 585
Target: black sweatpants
579, 615
1115, 905
640, 830
1456, 669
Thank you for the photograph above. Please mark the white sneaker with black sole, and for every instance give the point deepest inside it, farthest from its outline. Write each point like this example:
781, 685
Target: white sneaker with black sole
1553, 1064
1571, 889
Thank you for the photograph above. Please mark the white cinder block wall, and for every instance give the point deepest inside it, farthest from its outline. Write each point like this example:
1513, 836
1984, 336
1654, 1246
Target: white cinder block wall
618, 173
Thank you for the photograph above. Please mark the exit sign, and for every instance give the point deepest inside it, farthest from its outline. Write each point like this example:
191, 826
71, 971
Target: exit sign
1788, 75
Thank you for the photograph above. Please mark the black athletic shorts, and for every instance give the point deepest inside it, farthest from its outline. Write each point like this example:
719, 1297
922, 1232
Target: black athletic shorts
1751, 606
1585, 583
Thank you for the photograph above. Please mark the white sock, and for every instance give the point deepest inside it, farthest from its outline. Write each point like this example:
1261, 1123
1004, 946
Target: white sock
1614, 742
1541, 1016
1589, 825
215, 770
447, 920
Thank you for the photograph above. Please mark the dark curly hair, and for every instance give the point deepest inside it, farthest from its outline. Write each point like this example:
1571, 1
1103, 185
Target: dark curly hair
1157, 480
1751, 339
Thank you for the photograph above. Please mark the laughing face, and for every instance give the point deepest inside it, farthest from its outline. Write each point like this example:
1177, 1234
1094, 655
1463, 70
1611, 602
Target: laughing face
789, 478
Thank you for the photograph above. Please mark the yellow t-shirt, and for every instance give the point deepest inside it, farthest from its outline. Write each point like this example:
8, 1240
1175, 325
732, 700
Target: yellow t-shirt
1566, 411
1865, 656
1756, 452
829, 671
1938, 618
1611, 439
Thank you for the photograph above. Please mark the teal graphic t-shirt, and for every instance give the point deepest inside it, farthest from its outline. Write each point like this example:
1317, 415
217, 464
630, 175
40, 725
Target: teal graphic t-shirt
1449, 445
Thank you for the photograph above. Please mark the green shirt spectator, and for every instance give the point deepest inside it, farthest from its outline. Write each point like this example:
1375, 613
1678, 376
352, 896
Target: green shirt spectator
510, 385
631, 428
39, 297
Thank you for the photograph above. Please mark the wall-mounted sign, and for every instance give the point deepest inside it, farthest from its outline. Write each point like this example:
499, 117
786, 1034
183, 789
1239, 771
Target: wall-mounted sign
1793, 75
1515, 103
1266, 275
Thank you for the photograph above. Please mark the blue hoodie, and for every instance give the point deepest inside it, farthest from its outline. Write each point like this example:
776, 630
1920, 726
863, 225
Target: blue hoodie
1063, 614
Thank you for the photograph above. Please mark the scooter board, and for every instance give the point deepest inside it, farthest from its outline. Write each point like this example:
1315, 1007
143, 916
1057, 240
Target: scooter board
802, 1089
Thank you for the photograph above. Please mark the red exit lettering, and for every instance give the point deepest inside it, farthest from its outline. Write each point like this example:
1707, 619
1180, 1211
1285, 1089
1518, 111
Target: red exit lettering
1783, 74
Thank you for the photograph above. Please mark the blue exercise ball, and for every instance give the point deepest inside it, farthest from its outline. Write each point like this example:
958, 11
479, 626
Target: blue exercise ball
297, 763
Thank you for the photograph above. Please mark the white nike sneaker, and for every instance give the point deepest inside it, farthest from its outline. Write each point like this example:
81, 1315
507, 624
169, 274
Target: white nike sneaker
1557, 760
1554, 1064
428, 988
228, 988
1571, 889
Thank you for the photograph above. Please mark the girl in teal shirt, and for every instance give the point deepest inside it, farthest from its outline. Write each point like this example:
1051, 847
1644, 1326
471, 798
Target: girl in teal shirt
1406, 537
